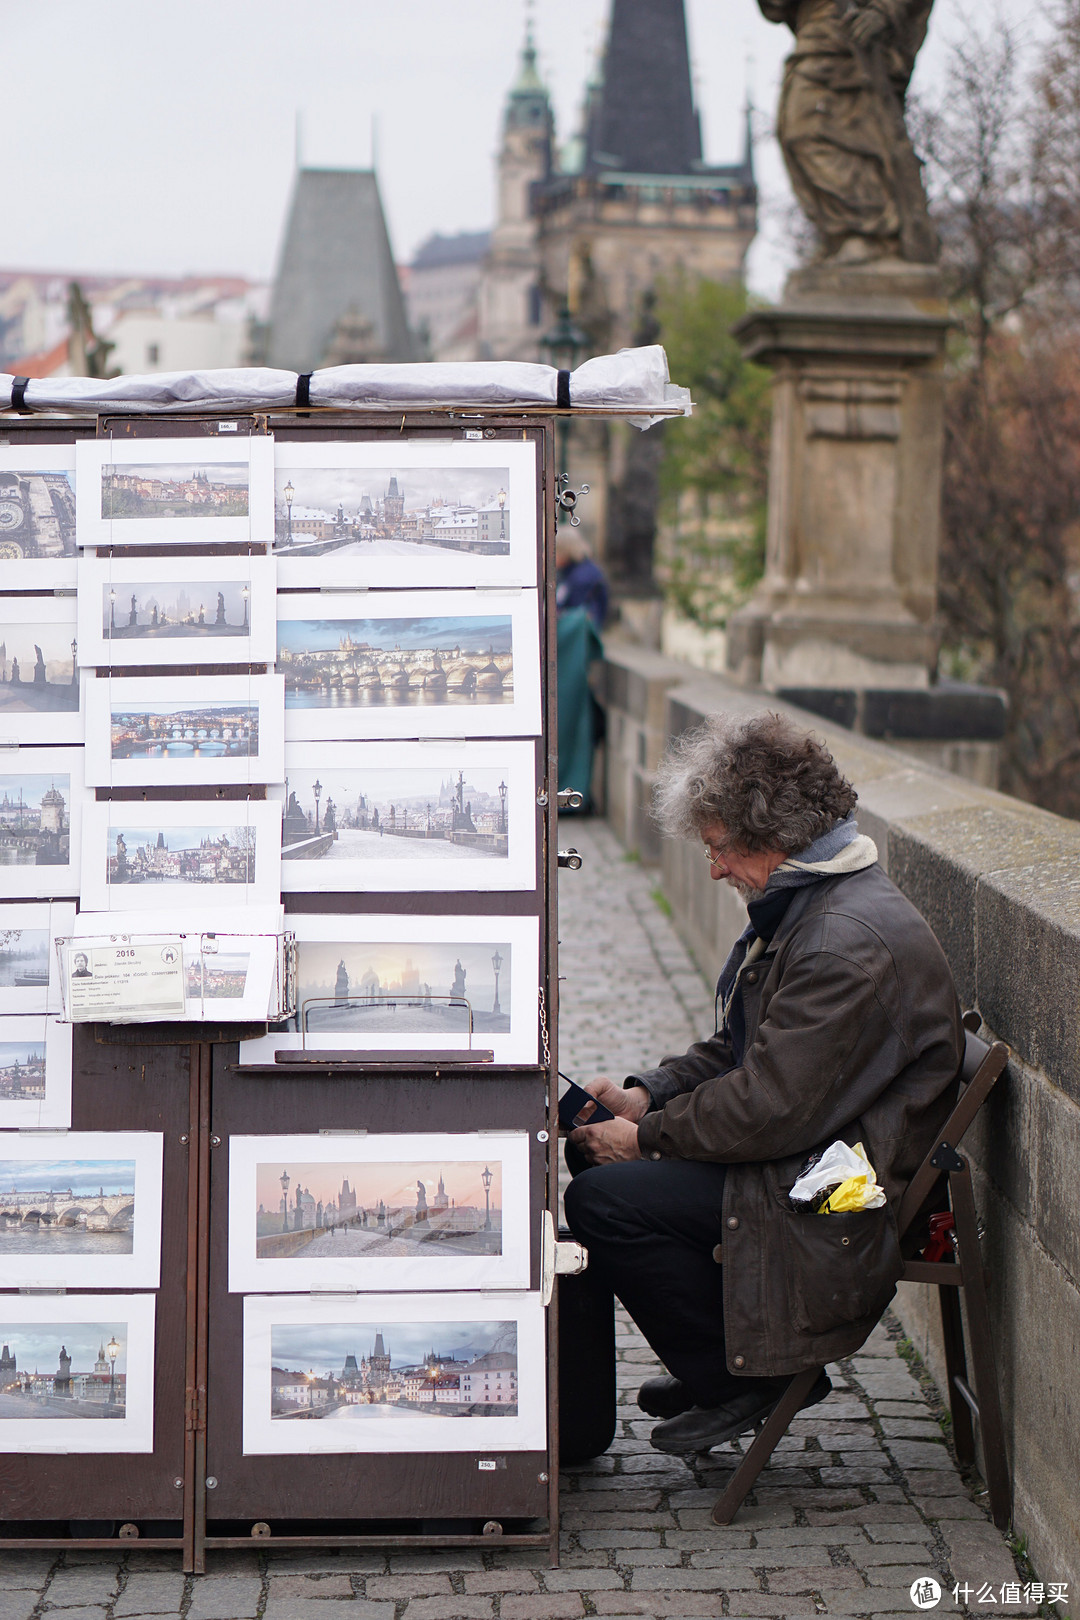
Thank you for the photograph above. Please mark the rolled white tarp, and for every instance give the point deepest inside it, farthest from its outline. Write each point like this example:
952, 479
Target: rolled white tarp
633, 383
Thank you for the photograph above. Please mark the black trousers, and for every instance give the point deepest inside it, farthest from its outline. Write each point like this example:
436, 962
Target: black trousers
650, 1228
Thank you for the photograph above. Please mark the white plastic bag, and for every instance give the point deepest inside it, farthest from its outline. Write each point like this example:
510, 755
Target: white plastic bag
838, 1165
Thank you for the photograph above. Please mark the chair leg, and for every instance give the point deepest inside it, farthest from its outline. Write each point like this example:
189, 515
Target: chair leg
764, 1444
991, 1426
952, 1332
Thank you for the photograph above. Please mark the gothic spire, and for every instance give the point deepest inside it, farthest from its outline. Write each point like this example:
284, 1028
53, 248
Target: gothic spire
645, 121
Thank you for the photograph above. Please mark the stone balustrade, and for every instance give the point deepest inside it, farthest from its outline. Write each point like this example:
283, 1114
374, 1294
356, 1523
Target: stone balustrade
999, 882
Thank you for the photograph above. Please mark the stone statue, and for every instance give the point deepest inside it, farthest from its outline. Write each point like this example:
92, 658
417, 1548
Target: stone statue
841, 125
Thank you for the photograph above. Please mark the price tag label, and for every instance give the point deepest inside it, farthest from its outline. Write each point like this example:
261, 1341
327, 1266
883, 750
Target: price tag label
120, 980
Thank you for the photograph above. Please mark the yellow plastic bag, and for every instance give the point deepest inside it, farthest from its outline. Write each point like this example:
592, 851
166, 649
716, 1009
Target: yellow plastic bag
856, 1192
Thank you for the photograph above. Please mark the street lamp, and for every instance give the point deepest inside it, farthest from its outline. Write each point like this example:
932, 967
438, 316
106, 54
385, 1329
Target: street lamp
246, 593
284, 1200
112, 613
485, 1177
112, 1350
502, 807
501, 498
289, 492
564, 343
496, 962
316, 788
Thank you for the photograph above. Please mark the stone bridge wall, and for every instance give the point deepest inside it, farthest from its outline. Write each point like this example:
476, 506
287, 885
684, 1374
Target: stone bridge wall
999, 881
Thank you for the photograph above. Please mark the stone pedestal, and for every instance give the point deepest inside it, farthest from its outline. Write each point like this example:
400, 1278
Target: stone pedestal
849, 594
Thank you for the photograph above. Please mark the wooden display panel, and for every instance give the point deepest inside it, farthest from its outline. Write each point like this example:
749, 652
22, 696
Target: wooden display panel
326, 1493
88, 1496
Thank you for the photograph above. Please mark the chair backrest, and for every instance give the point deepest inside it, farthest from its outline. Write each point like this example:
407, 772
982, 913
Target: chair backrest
980, 1067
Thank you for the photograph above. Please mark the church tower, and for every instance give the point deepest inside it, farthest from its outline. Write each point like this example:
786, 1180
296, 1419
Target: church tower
511, 314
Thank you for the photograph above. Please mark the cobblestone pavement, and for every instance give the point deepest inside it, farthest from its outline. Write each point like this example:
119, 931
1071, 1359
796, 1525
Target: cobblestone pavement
862, 1497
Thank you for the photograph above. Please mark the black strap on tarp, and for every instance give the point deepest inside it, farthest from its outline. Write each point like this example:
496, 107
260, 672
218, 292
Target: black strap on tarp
562, 391
18, 395
303, 389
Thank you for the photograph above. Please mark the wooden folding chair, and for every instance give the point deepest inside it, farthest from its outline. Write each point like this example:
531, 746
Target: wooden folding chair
944, 1171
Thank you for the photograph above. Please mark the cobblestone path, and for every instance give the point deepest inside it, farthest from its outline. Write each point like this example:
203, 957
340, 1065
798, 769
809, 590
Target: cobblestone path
862, 1497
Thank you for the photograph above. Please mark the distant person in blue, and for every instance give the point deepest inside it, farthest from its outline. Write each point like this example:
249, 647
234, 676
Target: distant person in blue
580, 582
581, 599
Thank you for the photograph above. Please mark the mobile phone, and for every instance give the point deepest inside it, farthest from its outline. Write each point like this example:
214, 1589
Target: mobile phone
573, 1100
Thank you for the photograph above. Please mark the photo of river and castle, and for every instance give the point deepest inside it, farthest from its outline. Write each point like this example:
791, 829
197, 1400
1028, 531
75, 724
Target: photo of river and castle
364, 1210
22, 1071
62, 1369
417, 988
25, 958
342, 1373
181, 855
175, 490
66, 1207
35, 825
404, 662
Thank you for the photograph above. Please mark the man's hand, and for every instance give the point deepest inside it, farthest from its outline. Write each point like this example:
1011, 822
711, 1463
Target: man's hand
630, 1104
610, 1142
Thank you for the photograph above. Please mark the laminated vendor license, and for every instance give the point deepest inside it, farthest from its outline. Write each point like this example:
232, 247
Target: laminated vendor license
118, 979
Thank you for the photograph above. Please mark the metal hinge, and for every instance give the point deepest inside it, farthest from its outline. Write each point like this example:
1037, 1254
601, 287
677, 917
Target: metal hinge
195, 1410
558, 1259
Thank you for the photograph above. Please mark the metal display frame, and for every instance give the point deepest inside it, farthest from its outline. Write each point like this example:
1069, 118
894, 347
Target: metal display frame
186, 1078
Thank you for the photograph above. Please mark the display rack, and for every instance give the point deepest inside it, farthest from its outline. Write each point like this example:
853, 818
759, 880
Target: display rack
197, 1489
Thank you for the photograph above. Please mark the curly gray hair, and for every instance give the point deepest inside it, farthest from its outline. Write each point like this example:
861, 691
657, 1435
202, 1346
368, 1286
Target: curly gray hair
772, 785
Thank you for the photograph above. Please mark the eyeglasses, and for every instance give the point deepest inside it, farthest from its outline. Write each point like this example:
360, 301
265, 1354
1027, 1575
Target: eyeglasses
714, 852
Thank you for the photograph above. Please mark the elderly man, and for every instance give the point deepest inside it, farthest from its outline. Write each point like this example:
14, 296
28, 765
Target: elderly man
836, 1019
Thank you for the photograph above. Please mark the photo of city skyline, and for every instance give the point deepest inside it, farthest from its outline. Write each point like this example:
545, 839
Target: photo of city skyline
66, 1206
357, 1209
176, 610
419, 512
164, 490
347, 1373
161, 730
221, 977
202, 854
53, 1370
419, 987
379, 814
22, 1071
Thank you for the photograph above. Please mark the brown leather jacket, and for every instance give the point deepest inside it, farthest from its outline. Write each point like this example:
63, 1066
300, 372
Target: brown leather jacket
852, 1030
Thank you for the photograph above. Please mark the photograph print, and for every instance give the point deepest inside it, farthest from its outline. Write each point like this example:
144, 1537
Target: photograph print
175, 492
427, 664
180, 731
379, 1212
39, 672
81, 1211
29, 971
37, 516
77, 1373
393, 1372
35, 1073
452, 511
144, 854
157, 611
404, 816
41, 802
372, 980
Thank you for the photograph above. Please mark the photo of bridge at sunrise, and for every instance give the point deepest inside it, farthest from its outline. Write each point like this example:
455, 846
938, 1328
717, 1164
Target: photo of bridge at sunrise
66, 1206
333, 663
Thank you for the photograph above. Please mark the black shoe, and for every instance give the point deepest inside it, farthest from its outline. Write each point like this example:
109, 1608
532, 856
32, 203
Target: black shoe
701, 1428
664, 1397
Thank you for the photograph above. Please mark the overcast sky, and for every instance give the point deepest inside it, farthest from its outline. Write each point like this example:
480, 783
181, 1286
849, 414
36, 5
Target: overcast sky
159, 135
